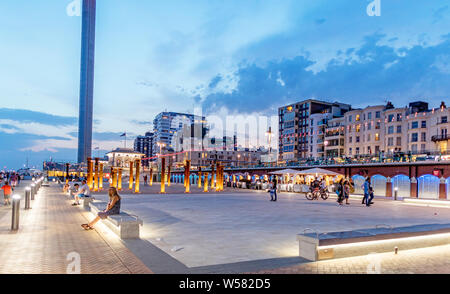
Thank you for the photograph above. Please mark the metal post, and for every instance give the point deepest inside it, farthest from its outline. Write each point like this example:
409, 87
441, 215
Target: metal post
395, 193
33, 191
15, 213
27, 198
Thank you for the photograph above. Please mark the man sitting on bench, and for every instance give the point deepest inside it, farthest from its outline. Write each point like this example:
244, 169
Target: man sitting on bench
83, 192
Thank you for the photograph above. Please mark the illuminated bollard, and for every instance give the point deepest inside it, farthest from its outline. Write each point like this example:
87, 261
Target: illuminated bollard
15, 213
27, 198
395, 193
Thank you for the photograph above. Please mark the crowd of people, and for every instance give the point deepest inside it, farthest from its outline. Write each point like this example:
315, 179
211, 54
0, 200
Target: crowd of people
343, 189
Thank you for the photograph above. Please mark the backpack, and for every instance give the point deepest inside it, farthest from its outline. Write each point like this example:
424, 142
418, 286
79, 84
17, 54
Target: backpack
339, 190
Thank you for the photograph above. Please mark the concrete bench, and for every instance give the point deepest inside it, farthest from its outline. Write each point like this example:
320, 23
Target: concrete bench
314, 246
124, 225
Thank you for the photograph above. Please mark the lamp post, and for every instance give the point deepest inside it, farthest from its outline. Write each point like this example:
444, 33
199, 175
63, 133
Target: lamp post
269, 135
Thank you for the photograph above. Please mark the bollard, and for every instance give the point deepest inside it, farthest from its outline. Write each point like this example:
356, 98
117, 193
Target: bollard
15, 213
33, 191
395, 193
27, 198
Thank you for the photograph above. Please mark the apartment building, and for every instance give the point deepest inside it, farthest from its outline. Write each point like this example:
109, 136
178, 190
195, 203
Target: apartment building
298, 135
167, 124
364, 130
144, 145
414, 129
335, 138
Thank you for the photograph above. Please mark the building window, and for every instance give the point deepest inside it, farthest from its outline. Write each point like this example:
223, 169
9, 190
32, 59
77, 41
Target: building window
422, 147
391, 130
358, 117
399, 129
391, 118
414, 137
369, 115
357, 139
377, 137
378, 114
357, 150
399, 117
358, 128
368, 137
390, 141
444, 120
414, 125
424, 124
423, 137
350, 139
349, 151
350, 118
399, 141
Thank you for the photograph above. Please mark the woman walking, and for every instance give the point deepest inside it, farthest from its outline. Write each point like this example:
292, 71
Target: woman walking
340, 191
113, 208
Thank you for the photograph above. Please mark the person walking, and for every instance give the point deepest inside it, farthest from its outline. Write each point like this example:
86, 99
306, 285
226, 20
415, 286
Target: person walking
273, 196
340, 191
366, 187
7, 191
347, 192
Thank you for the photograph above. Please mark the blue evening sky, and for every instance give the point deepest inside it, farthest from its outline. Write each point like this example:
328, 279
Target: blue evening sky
229, 56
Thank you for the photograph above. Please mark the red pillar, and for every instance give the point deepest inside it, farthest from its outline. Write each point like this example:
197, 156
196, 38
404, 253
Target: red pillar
442, 190
389, 187
413, 187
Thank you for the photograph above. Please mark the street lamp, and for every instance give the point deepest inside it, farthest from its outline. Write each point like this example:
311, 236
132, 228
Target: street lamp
269, 135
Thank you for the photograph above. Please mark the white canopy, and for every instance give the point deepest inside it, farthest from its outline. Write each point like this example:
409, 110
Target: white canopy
284, 172
318, 171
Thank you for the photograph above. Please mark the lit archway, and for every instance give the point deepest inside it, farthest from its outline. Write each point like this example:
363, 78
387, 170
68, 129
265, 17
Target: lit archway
428, 187
403, 185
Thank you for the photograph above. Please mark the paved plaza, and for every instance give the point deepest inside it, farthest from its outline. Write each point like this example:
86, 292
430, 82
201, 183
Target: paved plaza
51, 231
230, 232
213, 230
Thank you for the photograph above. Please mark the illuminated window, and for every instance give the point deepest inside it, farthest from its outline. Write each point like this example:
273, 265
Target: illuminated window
377, 137
358, 117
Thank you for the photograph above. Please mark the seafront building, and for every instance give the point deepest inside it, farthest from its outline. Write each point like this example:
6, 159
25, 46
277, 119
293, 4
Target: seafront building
314, 129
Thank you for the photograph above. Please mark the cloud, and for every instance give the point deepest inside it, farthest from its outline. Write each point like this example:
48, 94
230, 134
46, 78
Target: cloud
373, 72
26, 116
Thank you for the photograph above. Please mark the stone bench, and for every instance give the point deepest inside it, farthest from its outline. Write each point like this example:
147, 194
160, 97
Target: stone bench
314, 246
124, 225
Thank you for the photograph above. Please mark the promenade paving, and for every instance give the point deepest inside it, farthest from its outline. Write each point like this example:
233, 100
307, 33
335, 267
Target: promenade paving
51, 231
432, 260
210, 231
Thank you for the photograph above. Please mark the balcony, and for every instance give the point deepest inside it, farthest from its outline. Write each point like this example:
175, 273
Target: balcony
440, 138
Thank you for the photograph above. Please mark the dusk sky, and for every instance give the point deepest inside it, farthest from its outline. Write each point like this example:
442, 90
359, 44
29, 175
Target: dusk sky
230, 57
